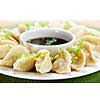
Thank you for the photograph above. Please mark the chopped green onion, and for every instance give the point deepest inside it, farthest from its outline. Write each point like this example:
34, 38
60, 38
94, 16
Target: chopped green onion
19, 55
80, 42
25, 55
29, 25
5, 36
71, 50
42, 55
67, 25
51, 41
74, 59
54, 58
61, 51
92, 34
9, 46
43, 24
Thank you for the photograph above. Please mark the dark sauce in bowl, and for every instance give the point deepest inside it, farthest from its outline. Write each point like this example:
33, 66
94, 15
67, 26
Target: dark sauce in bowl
47, 41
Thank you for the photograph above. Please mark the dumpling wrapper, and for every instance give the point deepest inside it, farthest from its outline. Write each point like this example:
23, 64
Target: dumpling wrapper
11, 56
95, 44
43, 62
14, 34
55, 24
4, 49
81, 31
24, 64
90, 58
2, 42
78, 60
63, 62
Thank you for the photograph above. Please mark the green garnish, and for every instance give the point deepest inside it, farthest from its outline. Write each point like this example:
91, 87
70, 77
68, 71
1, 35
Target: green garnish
25, 55
29, 25
61, 51
51, 41
42, 55
19, 55
43, 24
92, 34
1, 27
5, 36
9, 46
80, 42
74, 59
54, 58
67, 25
71, 50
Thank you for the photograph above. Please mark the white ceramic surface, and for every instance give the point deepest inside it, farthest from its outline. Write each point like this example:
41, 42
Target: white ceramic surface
47, 32
49, 76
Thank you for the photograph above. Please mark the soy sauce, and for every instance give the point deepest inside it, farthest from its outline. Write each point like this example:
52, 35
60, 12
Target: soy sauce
47, 41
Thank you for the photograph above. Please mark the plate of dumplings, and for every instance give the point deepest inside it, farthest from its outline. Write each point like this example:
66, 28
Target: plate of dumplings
18, 61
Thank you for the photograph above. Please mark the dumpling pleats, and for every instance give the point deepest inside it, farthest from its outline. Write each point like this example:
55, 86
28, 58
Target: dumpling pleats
63, 62
43, 62
11, 56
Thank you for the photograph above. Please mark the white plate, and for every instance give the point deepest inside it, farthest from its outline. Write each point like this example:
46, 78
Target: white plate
50, 76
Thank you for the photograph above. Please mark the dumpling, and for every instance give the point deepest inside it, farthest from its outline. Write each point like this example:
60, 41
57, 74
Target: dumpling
11, 56
90, 58
81, 31
4, 49
55, 24
62, 62
14, 35
7, 35
92, 39
26, 62
78, 30
67, 25
95, 44
78, 58
3, 42
43, 62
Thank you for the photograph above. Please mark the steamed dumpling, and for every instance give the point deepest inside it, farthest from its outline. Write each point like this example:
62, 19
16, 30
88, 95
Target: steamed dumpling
95, 44
43, 62
78, 58
25, 63
2, 42
62, 62
92, 39
11, 56
90, 58
14, 35
6, 35
4, 49
55, 24
81, 31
